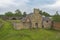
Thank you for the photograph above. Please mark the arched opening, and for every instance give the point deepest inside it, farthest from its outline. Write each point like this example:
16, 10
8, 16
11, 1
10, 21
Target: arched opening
13, 18
36, 24
42, 26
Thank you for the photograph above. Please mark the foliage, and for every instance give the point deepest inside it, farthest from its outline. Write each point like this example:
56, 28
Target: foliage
8, 14
56, 17
24, 14
18, 13
44, 13
1, 21
41, 12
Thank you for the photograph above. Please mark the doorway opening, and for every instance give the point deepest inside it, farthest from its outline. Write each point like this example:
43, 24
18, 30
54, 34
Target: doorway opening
36, 24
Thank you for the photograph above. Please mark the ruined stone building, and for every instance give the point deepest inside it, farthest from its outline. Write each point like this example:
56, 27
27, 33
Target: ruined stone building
33, 20
46, 22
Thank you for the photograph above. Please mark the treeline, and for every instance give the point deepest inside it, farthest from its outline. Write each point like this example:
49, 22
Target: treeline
45, 13
16, 13
55, 17
19, 13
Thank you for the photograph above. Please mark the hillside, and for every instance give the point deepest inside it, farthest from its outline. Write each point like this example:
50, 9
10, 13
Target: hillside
8, 33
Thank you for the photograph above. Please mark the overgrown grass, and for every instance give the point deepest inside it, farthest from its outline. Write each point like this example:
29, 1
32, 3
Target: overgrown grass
8, 33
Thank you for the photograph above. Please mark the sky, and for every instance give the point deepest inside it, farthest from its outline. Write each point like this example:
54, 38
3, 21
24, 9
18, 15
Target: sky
50, 6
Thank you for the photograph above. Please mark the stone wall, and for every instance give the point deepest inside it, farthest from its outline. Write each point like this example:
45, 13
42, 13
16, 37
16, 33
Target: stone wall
47, 25
56, 25
10, 18
14, 18
18, 26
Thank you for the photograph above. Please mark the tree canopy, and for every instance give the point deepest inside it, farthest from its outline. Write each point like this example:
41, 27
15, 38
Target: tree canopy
8, 14
18, 13
24, 14
56, 17
45, 13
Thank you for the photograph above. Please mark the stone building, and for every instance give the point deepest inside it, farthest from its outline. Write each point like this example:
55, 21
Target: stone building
33, 20
47, 22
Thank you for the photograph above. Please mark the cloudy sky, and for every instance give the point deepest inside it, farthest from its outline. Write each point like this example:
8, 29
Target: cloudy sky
50, 6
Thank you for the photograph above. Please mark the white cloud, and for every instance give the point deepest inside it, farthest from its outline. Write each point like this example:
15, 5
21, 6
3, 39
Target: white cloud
5, 3
54, 5
57, 4
12, 5
51, 8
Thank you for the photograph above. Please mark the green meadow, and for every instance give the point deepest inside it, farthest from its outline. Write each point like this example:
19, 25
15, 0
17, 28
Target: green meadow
7, 32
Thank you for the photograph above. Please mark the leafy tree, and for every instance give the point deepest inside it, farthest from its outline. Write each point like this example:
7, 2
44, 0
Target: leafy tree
18, 13
56, 17
44, 13
24, 14
8, 14
41, 12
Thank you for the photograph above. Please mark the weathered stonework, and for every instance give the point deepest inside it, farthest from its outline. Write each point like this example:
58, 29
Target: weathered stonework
56, 25
30, 21
10, 18
34, 20
47, 23
18, 26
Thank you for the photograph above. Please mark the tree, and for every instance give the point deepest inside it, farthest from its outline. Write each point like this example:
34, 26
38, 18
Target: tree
24, 14
18, 13
8, 14
44, 13
41, 12
56, 17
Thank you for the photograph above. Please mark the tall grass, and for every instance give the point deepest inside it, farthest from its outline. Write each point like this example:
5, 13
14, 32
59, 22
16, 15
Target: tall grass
7, 32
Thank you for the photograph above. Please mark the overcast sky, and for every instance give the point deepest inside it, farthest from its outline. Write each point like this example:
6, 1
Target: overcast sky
50, 6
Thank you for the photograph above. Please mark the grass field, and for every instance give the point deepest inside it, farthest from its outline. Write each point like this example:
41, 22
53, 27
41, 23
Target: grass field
8, 33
